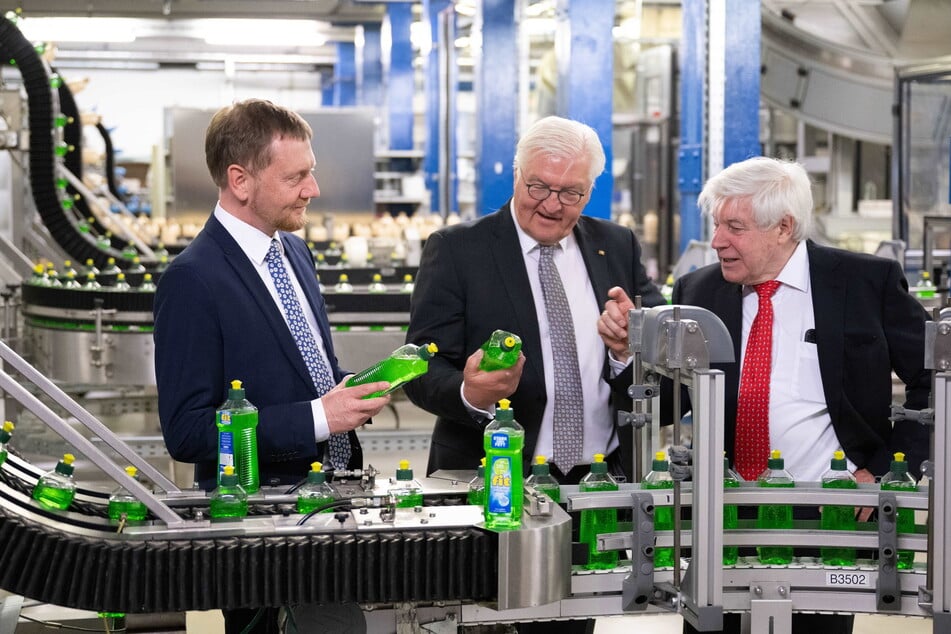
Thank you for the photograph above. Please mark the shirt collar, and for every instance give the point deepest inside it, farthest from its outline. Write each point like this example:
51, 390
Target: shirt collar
254, 243
795, 273
528, 244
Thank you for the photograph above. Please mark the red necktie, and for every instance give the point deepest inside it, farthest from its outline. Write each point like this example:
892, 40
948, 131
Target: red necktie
752, 407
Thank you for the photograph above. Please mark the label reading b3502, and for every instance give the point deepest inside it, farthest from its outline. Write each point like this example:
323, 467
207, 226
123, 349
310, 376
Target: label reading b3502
849, 578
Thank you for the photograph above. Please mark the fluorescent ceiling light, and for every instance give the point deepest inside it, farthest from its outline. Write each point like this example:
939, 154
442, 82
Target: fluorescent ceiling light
236, 32
79, 29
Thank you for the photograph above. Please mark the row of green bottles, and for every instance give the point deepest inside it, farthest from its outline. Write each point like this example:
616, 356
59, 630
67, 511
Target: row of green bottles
775, 516
731, 516
500, 351
55, 490
315, 492
404, 364
898, 479
376, 284
407, 492
229, 500
659, 478
503, 440
123, 503
838, 516
597, 521
542, 480
237, 422
5, 433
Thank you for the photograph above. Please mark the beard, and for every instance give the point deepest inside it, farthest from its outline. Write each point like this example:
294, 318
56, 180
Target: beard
289, 219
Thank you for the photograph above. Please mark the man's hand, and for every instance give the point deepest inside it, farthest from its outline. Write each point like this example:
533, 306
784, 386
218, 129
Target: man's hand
612, 324
346, 409
483, 389
863, 513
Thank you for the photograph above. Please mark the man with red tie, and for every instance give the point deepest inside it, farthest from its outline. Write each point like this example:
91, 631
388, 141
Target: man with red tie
817, 331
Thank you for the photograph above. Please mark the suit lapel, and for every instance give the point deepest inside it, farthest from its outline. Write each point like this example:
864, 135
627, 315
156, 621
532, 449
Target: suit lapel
828, 308
595, 258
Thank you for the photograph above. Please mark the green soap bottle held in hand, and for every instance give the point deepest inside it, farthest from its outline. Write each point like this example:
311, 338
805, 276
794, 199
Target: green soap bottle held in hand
123, 503
659, 478
476, 494
543, 481
500, 351
598, 521
898, 479
403, 365
5, 433
237, 421
503, 440
838, 517
315, 492
731, 518
407, 492
775, 516
229, 500
56, 489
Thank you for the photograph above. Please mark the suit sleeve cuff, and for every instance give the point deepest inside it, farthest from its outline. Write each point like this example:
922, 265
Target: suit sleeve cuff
617, 366
321, 426
476, 413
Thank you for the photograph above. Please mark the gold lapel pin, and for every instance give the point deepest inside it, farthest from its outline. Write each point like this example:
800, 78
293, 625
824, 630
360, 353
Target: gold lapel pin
600, 251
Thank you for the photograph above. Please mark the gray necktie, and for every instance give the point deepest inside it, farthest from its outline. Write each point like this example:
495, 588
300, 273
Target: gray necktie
568, 434
339, 444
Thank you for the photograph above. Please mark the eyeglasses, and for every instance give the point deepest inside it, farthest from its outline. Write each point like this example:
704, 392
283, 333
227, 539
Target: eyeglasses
565, 196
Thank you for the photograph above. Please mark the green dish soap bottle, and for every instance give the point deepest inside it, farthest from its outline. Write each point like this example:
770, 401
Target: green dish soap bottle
659, 478
122, 502
56, 489
315, 492
237, 421
229, 499
476, 493
731, 518
500, 351
5, 433
543, 481
598, 521
503, 440
898, 479
775, 516
407, 491
404, 364
838, 517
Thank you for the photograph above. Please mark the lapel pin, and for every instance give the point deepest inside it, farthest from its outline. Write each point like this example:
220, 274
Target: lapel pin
600, 251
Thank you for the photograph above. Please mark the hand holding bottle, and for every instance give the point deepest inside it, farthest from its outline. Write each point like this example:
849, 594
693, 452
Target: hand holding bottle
346, 409
612, 324
482, 389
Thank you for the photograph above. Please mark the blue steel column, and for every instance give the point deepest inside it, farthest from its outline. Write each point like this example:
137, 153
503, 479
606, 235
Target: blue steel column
742, 74
585, 52
326, 89
370, 66
345, 75
693, 63
431, 11
496, 104
399, 76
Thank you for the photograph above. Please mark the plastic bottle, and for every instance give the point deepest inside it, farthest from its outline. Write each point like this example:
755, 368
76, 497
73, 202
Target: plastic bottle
111, 267
122, 502
838, 516
407, 491
898, 479
147, 285
500, 351
408, 285
71, 281
56, 489
503, 440
343, 284
90, 268
476, 494
659, 478
667, 290
775, 516
104, 241
91, 283
404, 364
129, 251
598, 521
925, 288
53, 277
68, 268
377, 285
731, 518
137, 266
237, 421
315, 492
543, 481
229, 499
5, 432
39, 277
121, 284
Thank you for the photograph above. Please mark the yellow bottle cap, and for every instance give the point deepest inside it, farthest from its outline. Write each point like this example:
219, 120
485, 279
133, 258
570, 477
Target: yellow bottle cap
540, 460
599, 457
69, 459
433, 349
316, 466
8, 426
838, 455
775, 453
131, 471
660, 455
229, 470
404, 464
503, 403
899, 456
236, 385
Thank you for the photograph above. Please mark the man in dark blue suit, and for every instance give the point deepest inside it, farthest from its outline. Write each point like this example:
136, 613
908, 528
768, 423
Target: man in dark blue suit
219, 315
842, 323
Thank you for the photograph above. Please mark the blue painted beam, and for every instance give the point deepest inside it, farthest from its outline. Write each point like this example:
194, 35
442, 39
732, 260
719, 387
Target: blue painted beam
345, 75
742, 77
431, 11
497, 101
585, 79
398, 64
693, 64
326, 89
370, 66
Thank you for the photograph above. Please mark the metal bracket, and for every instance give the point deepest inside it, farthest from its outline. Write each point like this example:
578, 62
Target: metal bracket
923, 416
770, 607
637, 419
638, 586
887, 590
536, 503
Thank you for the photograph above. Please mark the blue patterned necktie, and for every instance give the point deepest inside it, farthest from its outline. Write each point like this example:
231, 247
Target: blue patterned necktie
319, 372
568, 433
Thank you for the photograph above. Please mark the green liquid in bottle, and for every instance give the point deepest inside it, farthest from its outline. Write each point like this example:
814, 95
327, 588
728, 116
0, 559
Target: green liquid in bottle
476, 493
237, 421
905, 520
596, 522
307, 504
504, 481
229, 507
730, 520
775, 516
53, 498
551, 490
403, 365
659, 478
542, 480
134, 510
500, 351
838, 517
408, 500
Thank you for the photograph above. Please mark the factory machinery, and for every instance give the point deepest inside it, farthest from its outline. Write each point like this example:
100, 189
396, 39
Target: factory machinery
437, 563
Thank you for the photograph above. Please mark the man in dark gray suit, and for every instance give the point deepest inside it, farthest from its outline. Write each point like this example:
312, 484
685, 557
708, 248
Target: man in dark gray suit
842, 322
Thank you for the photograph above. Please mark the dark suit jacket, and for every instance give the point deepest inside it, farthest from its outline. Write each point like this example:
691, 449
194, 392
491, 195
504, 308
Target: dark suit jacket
867, 324
215, 321
472, 280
